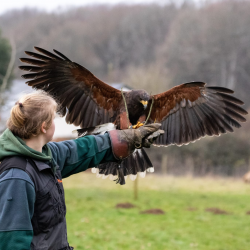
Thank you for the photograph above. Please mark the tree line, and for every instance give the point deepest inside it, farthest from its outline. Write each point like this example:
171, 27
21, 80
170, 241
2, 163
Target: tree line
153, 47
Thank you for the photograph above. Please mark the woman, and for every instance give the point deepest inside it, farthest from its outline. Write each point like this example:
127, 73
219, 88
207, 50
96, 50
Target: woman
32, 204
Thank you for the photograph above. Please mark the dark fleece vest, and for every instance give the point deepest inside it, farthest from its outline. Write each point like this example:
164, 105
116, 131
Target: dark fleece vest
48, 221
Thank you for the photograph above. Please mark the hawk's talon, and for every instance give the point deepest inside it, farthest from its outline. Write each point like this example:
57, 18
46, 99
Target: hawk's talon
139, 124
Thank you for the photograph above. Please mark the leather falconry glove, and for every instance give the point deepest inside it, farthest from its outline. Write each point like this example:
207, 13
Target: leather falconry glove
147, 141
124, 142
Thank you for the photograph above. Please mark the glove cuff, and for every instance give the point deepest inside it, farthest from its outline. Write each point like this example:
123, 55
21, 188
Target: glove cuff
120, 147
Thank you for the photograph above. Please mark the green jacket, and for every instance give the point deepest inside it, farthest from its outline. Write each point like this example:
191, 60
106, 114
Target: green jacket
72, 156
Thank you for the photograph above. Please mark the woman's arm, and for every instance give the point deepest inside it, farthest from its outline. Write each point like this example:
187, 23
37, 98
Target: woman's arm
17, 201
74, 156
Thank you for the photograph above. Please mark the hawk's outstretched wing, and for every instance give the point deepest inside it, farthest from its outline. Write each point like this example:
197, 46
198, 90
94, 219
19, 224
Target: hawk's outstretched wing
85, 99
191, 110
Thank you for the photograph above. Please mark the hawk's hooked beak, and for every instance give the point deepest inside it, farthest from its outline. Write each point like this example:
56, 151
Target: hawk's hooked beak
144, 103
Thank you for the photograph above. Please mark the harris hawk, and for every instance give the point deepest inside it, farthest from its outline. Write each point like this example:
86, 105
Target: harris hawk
187, 112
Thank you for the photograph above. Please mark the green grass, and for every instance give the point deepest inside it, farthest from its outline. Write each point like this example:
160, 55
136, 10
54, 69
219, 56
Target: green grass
95, 223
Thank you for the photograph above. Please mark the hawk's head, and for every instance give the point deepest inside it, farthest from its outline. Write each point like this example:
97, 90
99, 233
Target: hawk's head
141, 97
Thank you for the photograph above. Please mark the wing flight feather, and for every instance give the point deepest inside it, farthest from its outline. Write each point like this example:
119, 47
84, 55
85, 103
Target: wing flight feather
192, 110
83, 98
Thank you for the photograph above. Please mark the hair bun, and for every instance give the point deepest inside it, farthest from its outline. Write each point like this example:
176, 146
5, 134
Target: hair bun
30, 112
19, 103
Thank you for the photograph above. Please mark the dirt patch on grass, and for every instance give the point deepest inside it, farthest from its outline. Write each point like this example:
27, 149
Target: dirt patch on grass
191, 209
153, 211
125, 205
248, 212
216, 210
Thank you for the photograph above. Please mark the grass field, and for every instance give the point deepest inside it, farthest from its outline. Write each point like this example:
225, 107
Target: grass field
94, 222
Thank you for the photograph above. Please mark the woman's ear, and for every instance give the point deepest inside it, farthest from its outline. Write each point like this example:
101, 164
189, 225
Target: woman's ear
43, 128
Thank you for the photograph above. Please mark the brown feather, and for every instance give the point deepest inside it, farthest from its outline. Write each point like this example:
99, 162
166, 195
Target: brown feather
72, 84
124, 122
166, 101
191, 110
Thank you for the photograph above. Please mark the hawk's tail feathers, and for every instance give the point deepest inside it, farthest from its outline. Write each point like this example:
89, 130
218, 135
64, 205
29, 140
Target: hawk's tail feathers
135, 165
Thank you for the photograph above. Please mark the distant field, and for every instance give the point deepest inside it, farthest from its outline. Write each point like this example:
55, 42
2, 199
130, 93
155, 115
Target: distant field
95, 223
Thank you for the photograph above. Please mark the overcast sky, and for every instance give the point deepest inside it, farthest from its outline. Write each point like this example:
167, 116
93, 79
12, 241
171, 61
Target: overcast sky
51, 5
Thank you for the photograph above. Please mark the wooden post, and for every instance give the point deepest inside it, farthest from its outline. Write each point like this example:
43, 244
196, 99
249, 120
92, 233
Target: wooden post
164, 164
136, 188
190, 166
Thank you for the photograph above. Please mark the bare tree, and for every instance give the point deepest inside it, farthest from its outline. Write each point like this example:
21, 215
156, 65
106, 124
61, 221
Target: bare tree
8, 72
7, 76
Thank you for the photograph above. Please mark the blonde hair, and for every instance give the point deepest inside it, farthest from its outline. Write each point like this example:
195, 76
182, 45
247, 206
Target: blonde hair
27, 116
